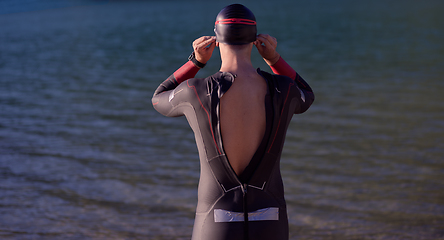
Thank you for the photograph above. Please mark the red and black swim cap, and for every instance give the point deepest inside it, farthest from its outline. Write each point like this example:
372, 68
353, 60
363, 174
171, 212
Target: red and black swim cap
235, 25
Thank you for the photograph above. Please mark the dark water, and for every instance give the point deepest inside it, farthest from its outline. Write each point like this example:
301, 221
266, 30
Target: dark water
83, 155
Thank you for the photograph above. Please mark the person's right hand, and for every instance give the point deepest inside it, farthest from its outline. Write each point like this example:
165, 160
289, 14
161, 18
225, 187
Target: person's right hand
203, 48
266, 45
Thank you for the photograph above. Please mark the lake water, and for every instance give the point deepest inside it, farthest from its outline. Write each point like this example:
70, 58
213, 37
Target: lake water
83, 155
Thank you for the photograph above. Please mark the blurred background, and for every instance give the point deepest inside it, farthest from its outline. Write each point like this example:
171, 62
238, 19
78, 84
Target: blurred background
83, 155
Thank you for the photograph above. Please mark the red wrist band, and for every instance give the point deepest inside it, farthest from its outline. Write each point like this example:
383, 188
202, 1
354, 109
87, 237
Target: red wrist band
187, 71
281, 67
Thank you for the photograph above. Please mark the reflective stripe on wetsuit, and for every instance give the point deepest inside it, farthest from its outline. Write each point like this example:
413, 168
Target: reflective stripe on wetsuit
221, 192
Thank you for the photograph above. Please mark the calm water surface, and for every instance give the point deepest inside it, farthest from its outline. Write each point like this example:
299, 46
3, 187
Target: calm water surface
83, 155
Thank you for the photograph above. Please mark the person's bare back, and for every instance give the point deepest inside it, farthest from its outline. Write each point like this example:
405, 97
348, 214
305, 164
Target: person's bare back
243, 119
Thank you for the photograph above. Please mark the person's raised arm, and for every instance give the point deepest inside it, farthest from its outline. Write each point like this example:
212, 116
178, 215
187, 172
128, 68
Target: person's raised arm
203, 48
266, 45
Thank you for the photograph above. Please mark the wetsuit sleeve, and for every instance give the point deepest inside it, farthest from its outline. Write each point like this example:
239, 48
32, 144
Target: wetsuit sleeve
281, 67
161, 98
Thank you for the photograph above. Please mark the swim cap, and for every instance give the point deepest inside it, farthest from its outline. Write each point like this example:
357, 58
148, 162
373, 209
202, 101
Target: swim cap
235, 25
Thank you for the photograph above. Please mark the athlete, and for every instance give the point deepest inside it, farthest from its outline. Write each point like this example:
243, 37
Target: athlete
239, 116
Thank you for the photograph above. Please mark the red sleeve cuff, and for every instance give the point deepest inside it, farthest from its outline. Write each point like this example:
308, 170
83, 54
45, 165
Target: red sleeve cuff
282, 68
187, 71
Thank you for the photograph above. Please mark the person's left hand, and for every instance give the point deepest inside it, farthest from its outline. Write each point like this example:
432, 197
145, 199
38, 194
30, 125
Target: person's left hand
266, 45
203, 48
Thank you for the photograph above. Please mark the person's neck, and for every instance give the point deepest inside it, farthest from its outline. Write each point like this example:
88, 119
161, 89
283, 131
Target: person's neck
236, 62
236, 66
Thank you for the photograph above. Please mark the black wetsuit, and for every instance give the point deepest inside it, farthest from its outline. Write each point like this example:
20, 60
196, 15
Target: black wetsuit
225, 199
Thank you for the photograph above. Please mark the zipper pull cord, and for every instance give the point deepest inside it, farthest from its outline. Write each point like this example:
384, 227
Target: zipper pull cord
244, 191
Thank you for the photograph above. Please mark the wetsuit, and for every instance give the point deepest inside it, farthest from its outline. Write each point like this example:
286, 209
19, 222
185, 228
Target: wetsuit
231, 207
